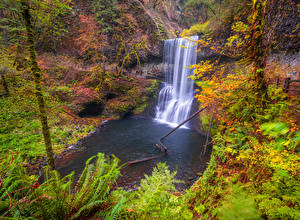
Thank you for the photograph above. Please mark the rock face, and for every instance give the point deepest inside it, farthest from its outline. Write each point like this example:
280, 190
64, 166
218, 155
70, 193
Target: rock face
110, 71
284, 21
150, 70
137, 22
282, 65
154, 24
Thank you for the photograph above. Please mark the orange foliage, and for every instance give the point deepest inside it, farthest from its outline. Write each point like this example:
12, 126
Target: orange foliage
219, 90
90, 39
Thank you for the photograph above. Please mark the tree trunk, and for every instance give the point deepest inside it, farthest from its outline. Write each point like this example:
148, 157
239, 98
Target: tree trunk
5, 38
5, 84
258, 51
6, 46
219, 11
37, 76
4, 31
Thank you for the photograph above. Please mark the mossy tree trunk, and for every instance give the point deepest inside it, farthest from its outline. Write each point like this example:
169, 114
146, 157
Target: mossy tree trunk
4, 84
4, 30
258, 50
4, 70
37, 80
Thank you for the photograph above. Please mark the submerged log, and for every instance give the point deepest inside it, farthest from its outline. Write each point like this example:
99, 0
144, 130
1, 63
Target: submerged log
145, 159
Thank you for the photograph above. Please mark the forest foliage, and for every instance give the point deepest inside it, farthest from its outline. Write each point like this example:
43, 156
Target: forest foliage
254, 168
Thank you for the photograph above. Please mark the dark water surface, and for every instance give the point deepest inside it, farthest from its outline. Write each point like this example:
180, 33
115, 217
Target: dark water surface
134, 138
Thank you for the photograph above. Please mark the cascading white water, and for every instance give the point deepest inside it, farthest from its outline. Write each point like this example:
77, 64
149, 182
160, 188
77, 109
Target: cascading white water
176, 96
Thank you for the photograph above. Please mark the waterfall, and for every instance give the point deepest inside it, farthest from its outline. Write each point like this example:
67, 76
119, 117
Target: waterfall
176, 96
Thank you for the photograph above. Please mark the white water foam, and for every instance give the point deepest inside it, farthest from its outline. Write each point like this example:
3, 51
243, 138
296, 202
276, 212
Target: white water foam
176, 96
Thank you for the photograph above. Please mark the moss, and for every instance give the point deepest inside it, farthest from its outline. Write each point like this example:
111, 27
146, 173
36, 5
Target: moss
119, 107
197, 29
153, 89
20, 129
140, 109
161, 33
151, 92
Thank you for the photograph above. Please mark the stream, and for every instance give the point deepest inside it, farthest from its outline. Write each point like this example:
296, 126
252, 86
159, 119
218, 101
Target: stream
134, 138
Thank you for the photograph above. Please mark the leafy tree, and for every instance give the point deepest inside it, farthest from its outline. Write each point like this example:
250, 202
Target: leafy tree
48, 19
106, 13
129, 52
42, 20
90, 40
10, 24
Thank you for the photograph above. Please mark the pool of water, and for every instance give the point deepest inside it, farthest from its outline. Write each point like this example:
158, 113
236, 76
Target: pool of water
134, 138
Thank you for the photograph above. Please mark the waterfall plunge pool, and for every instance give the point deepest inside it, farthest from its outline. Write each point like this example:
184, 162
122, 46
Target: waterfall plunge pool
134, 138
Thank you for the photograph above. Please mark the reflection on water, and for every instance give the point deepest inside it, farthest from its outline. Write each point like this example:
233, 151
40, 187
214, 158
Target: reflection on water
132, 139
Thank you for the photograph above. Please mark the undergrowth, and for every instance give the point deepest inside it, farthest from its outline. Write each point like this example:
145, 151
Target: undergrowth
22, 197
92, 195
20, 128
155, 198
254, 169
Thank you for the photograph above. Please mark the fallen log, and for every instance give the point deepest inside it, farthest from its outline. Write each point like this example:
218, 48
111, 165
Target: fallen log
145, 159
182, 123
163, 147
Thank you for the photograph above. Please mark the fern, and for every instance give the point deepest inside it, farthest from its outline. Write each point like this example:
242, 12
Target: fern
57, 198
116, 209
14, 185
154, 198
